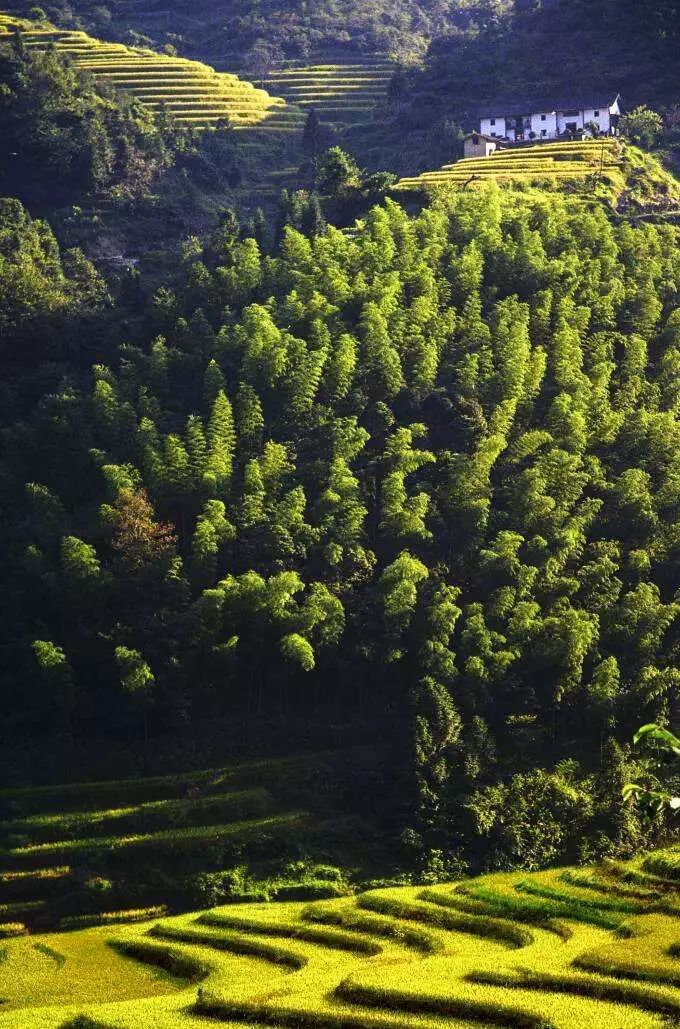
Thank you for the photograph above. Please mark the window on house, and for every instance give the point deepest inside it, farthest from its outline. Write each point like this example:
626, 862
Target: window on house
493, 134
544, 132
493, 121
542, 117
596, 113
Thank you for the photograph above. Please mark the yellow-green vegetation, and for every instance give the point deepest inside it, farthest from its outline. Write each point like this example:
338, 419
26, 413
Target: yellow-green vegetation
94, 854
192, 93
606, 168
341, 94
535, 165
508, 949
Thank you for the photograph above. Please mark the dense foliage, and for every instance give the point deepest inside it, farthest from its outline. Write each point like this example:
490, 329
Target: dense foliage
295, 30
562, 49
423, 477
38, 289
62, 137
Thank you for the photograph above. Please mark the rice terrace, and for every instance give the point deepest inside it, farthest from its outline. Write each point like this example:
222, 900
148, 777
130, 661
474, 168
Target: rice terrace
563, 948
189, 91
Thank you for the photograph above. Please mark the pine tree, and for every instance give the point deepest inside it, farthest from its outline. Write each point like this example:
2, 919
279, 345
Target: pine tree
221, 444
213, 383
249, 418
312, 133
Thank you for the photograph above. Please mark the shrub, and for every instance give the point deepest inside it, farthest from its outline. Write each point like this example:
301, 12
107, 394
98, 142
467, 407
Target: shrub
8, 929
112, 917
664, 863
310, 890
642, 125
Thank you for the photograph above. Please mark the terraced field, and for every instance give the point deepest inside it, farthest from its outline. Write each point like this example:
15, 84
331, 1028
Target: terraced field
191, 92
546, 162
342, 94
95, 854
564, 949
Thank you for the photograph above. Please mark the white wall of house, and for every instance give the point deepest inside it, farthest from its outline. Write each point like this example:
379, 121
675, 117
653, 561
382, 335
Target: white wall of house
551, 124
493, 127
601, 116
544, 124
568, 118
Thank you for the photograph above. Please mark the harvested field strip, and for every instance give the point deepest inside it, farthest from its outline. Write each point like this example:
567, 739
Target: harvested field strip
507, 895
602, 884
649, 998
37, 884
540, 889
161, 813
324, 936
171, 959
234, 943
159, 841
112, 918
633, 874
76, 796
507, 932
498, 905
646, 956
374, 924
412, 1003
222, 1009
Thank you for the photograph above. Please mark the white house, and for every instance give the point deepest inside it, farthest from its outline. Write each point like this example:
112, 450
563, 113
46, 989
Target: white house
549, 119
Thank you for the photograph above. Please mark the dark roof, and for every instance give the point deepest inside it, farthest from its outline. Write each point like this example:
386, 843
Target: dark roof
512, 108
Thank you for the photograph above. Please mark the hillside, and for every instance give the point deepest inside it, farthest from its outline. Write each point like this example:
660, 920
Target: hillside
234, 31
606, 170
188, 91
412, 483
457, 55
253, 831
543, 51
340, 506
561, 949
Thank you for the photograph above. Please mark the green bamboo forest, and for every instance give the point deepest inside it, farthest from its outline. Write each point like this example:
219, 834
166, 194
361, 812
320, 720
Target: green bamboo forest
340, 507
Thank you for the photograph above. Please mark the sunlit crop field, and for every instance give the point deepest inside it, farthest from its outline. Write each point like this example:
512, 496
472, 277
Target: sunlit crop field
559, 949
342, 94
190, 92
537, 164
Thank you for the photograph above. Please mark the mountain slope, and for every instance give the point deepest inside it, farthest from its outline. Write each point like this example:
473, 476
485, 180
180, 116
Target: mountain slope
555, 949
190, 92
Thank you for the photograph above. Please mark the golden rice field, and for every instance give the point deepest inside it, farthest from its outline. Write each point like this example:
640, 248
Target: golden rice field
192, 93
341, 94
541, 163
563, 949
